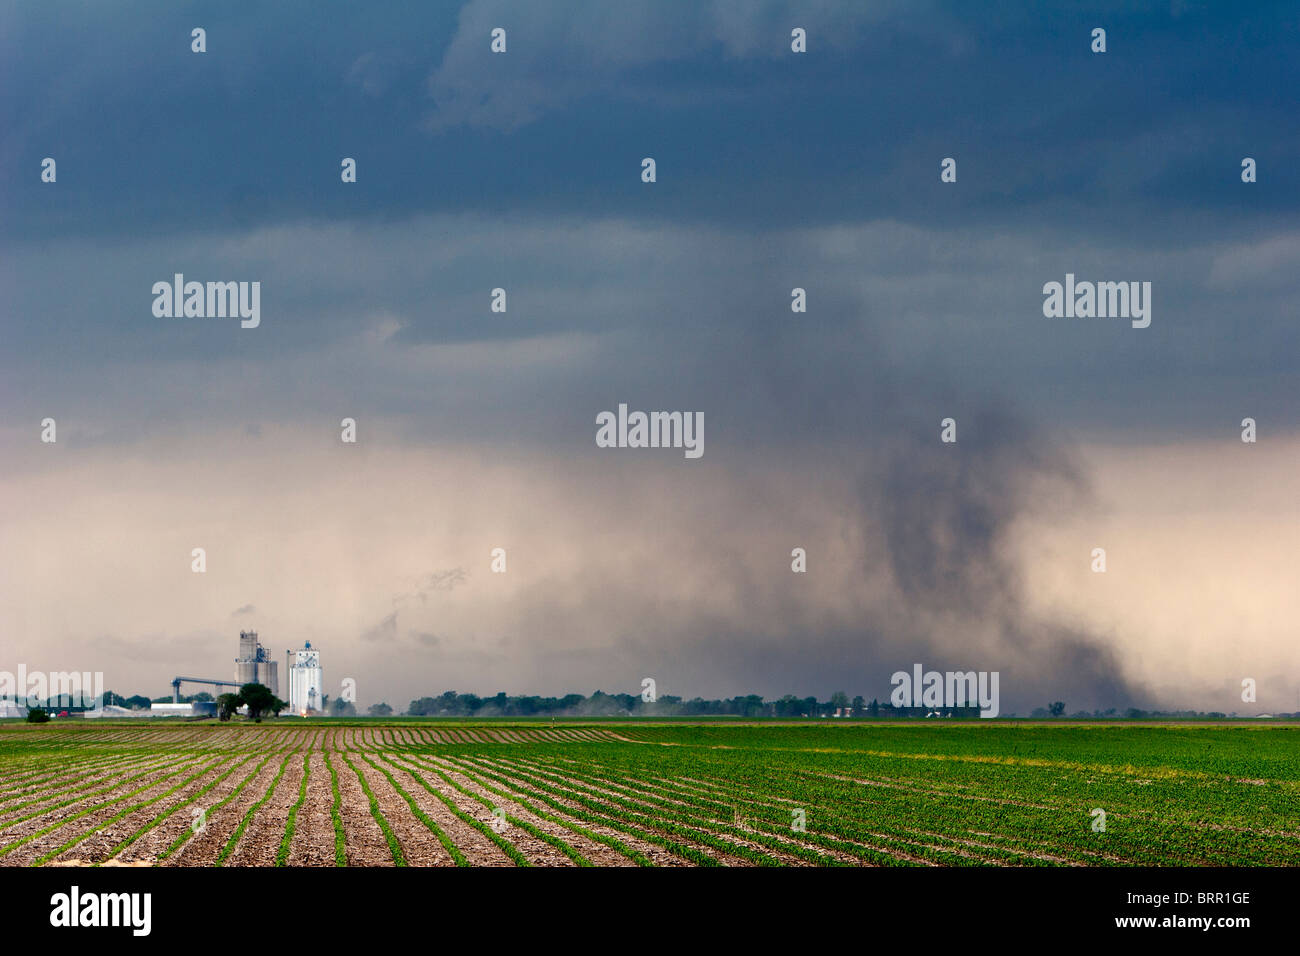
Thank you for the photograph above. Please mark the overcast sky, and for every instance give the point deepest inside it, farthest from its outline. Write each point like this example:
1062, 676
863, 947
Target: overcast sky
476, 430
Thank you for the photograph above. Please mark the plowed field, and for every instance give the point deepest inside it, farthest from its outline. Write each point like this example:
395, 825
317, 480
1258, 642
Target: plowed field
435, 793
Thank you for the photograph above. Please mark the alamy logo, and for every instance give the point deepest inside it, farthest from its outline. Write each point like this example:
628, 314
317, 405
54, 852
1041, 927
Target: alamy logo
949, 689
61, 688
653, 430
212, 300
1102, 300
103, 909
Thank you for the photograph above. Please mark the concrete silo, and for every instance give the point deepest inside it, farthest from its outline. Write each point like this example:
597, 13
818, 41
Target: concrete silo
246, 662
254, 664
306, 682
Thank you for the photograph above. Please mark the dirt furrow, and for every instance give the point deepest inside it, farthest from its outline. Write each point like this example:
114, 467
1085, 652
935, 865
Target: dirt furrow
419, 844
145, 851
565, 794
513, 784
366, 845
538, 852
478, 849
97, 847
313, 836
219, 824
598, 853
261, 840
157, 777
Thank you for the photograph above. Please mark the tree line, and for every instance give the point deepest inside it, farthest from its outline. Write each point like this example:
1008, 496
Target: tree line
600, 704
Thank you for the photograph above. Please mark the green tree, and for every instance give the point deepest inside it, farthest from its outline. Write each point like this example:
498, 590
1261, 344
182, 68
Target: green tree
227, 704
37, 716
379, 710
260, 700
1056, 708
788, 706
839, 700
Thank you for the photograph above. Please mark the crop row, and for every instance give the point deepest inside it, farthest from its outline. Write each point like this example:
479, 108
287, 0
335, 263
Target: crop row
719, 796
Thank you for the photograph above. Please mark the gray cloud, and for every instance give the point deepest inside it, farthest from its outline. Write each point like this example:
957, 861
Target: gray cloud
945, 513
383, 632
560, 54
389, 630
608, 311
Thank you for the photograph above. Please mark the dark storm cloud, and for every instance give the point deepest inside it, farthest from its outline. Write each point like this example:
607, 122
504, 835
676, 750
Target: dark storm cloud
393, 321
944, 514
933, 578
152, 138
945, 521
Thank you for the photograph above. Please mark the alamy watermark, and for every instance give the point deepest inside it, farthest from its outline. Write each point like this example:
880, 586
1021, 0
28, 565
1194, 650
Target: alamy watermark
1101, 300
212, 300
651, 430
922, 688
56, 688
75, 908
